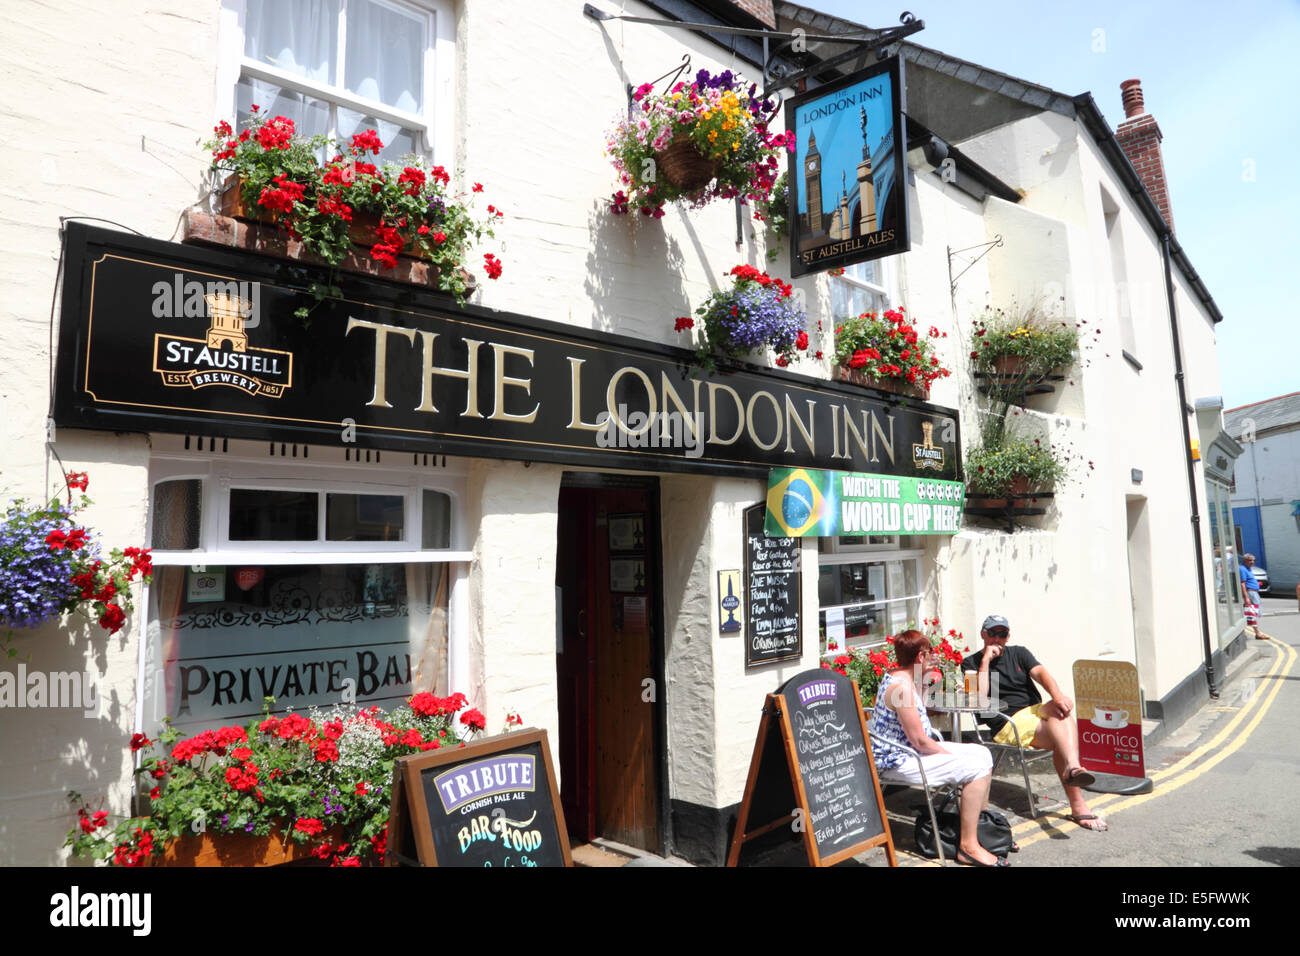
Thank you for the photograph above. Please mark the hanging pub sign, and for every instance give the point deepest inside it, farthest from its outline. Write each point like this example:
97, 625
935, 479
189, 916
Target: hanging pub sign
185, 339
491, 803
848, 179
812, 773
804, 502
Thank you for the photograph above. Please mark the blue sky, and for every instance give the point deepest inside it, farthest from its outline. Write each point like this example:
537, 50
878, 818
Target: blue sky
1221, 80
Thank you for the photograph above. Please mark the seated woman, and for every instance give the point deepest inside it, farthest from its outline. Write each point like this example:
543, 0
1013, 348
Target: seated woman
900, 716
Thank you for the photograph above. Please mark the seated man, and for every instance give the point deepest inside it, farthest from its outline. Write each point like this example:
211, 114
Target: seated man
1045, 726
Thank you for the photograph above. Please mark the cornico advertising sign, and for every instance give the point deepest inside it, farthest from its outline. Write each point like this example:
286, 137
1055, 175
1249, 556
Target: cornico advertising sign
1108, 705
804, 502
848, 180
183, 339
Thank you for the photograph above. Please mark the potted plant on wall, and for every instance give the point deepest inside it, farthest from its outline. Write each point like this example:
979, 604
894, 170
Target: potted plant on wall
1001, 472
757, 313
888, 352
276, 790
703, 140
346, 204
1018, 349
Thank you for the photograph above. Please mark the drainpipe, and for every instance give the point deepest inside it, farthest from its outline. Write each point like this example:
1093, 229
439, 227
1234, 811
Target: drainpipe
1191, 464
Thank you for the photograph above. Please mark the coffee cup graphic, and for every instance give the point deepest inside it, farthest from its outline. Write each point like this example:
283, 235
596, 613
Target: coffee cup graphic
1102, 717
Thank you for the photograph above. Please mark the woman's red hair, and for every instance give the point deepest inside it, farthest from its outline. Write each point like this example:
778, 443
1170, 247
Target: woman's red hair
908, 647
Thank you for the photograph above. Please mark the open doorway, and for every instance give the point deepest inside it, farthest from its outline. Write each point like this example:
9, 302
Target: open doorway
609, 659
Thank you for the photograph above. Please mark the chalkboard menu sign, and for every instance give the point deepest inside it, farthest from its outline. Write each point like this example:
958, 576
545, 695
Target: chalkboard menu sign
813, 729
835, 767
772, 593
492, 803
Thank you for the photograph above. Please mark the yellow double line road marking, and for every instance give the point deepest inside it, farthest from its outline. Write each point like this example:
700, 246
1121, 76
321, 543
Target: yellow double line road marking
1183, 772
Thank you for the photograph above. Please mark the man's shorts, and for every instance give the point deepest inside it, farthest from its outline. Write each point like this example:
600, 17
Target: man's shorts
1252, 609
1026, 720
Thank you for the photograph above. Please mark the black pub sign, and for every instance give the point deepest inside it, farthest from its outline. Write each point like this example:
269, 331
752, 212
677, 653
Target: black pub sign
186, 339
848, 175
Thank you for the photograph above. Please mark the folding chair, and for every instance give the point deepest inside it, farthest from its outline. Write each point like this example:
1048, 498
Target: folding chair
924, 784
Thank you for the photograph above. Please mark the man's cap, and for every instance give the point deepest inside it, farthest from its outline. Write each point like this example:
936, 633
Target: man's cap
995, 620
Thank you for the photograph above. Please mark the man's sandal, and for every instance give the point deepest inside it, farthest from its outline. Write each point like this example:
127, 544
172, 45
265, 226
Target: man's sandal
1078, 777
1089, 821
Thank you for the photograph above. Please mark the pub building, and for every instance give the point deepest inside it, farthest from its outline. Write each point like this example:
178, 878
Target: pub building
537, 498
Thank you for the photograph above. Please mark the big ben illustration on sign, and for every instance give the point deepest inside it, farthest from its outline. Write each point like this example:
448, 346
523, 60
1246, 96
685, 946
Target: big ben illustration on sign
849, 204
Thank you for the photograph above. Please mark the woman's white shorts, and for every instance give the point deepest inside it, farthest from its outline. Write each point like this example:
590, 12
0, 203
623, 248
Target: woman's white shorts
965, 762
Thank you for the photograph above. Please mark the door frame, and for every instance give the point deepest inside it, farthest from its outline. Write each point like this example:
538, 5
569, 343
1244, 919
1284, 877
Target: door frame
654, 554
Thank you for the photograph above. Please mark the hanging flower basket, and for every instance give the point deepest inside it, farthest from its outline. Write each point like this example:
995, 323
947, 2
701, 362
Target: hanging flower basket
759, 312
49, 564
700, 141
684, 165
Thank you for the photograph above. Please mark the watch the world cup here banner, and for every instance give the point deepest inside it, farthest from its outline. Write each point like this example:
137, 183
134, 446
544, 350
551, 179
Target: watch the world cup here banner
803, 502
848, 178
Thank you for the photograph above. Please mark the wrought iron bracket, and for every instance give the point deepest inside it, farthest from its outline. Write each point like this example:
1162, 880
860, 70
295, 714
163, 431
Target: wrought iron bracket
879, 40
956, 253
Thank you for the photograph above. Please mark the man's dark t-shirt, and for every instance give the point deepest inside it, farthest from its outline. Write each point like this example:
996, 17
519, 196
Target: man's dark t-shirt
1015, 687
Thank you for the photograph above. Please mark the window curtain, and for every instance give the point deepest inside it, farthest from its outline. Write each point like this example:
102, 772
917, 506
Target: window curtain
297, 36
385, 56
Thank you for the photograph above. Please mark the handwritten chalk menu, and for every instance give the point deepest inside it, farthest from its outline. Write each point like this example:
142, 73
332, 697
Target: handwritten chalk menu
493, 803
835, 766
812, 770
772, 594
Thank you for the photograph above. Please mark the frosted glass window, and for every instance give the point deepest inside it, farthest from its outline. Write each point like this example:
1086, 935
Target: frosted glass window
177, 512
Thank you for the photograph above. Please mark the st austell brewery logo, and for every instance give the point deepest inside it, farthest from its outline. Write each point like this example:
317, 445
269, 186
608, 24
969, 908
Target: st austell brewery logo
927, 454
223, 357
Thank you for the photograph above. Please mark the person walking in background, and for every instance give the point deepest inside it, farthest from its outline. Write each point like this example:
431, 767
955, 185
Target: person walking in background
1250, 594
1045, 726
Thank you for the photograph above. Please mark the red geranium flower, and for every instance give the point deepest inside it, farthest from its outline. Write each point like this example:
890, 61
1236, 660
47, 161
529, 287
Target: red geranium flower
309, 825
112, 619
472, 718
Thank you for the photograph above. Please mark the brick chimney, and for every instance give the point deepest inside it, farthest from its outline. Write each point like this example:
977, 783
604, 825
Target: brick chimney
759, 9
1140, 137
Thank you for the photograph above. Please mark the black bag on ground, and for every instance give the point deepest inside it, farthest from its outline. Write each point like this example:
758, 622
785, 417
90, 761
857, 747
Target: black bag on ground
994, 831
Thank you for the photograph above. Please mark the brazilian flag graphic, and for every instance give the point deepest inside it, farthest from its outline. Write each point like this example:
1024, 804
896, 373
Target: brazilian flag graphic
798, 500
